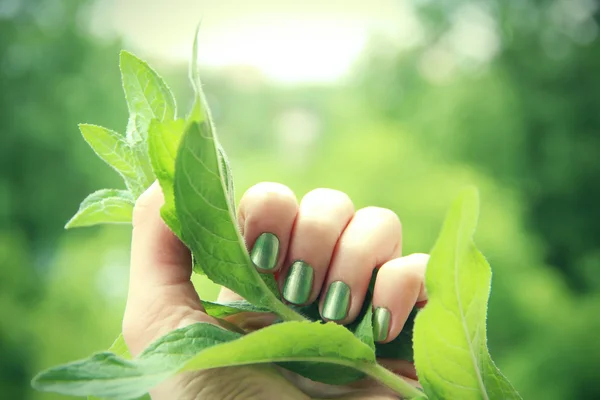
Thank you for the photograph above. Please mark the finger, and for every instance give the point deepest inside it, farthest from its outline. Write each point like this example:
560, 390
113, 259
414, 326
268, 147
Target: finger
372, 238
161, 296
323, 214
400, 284
266, 215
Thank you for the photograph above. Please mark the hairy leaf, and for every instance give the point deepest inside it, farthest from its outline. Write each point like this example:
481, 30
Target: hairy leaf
106, 206
288, 341
364, 329
116, 152
450, 341
163, 142
120, 349
147, 95
204, 346
110, 376
208, 225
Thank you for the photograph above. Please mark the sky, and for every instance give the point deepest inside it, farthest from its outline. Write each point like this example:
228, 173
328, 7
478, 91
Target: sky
288, 41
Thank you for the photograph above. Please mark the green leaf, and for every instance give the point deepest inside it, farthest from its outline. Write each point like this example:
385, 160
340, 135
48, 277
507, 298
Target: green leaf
227, 176
108, 375
147, 95
208, 225
364, 330
204, 346
116, 152
288, 341
222, 310
450, 346
330, 374
120, 349
163, 141
106, 206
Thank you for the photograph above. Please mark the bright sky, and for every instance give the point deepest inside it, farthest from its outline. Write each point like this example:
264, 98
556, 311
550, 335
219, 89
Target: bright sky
289, 41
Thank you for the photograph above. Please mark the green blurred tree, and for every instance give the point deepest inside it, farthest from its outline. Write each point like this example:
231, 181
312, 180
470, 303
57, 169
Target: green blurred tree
511, 87
53, 74
527, 113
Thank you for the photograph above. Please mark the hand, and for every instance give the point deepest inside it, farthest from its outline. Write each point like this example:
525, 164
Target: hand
321, 250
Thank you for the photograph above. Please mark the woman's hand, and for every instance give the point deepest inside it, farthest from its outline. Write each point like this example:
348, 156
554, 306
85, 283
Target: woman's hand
321, 250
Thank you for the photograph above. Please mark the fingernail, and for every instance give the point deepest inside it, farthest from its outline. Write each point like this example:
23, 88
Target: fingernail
265, 252
336, 302
381, 324
298, 283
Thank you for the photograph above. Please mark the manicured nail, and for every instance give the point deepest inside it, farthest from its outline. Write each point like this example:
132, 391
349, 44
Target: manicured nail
336, 302
298, 283
381, 324
265, 252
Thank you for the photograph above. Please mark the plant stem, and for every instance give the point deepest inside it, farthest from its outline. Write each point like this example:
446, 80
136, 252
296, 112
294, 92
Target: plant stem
393, 381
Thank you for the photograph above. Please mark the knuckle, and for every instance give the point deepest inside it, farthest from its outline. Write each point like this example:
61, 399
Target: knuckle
380, 215
418, 258
327, 196
268, 195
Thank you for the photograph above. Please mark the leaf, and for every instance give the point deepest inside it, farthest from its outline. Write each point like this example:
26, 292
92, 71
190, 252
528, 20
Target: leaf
104, 206
208, 225
288, 341
108, 375
450, 346
120, 349
204, 346
227, 177
116, 152
330, 374
364, 330
147, 95
163, 141
222, 310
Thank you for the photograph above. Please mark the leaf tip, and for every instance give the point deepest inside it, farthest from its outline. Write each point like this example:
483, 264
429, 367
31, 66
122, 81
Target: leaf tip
470, 195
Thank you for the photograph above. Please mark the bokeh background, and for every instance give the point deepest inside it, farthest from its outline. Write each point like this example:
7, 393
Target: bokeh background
399, 103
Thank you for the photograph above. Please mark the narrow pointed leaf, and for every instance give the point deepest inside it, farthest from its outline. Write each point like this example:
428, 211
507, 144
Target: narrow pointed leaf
116, 152
147, 95
102, 207
364, 329
453, 362
163, 142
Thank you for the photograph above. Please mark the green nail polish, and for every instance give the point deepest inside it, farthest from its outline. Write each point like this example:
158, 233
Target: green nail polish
298, 283
336, 302
381, 323
265, 252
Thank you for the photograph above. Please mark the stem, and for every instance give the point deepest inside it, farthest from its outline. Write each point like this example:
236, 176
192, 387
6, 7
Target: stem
393, 381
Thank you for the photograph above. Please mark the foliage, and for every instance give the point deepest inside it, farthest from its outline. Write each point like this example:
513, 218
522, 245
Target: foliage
202, 213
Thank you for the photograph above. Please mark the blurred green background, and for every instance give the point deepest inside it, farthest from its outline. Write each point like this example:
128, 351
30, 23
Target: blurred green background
398, 103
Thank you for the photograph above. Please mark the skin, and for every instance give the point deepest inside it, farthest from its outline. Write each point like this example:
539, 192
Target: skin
323, 229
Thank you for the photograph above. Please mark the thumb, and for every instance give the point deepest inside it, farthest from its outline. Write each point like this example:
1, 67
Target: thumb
161, 296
